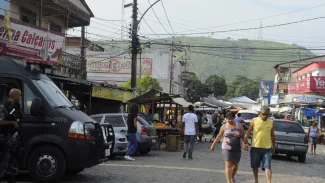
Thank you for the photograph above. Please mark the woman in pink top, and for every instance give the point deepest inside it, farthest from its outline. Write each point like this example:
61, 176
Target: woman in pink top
233, 135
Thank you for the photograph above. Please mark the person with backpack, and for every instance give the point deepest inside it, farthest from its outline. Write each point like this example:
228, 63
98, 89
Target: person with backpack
313, 134
10, 115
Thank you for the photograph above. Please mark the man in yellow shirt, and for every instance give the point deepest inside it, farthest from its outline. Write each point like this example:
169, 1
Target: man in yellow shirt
263, 143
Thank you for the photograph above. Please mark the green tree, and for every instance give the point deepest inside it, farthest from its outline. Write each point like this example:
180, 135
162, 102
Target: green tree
144, 84
217, 85
196, 89
249, 88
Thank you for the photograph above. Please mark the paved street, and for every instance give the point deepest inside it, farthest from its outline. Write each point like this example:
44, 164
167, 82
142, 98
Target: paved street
162, 166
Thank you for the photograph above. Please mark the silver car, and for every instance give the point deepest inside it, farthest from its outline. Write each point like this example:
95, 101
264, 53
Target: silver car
146, 134
121, 142
290, 139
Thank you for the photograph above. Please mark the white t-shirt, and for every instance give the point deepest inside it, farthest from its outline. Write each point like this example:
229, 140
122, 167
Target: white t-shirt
190, 119
210, 121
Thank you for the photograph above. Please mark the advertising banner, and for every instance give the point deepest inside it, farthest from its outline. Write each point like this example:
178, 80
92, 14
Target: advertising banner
274, 99
317, 83
307, 85
117, 65
31, 42
112, 93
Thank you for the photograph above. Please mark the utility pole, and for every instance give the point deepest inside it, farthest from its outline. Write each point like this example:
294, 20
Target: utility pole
140, 63
83, 57
171, 68
134, 44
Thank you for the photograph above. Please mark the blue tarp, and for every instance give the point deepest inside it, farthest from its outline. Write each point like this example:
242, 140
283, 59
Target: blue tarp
310, 112
242, 99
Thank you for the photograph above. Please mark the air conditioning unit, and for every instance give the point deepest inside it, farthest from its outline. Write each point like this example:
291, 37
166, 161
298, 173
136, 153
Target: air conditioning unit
281, 91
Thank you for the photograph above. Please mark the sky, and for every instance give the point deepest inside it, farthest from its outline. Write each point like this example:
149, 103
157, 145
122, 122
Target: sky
188, 16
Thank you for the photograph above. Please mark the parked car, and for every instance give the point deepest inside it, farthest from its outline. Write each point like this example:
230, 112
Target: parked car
290, 139
121, 142
146, 134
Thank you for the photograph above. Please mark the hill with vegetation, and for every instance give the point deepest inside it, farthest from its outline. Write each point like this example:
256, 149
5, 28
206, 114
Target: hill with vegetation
227, 57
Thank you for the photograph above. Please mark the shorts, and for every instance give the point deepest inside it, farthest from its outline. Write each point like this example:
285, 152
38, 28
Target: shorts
312, 140
261, 156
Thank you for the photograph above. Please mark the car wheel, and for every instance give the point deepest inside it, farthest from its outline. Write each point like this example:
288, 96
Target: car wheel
75, 170
302, 158
47, 164
146, 151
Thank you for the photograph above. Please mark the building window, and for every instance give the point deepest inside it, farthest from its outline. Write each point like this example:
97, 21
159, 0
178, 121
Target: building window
27, 16
54, 27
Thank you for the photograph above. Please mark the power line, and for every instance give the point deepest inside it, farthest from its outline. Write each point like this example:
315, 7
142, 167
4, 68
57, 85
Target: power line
245, 29
229, 47
168, 18
272, 16
158, 19
149, 25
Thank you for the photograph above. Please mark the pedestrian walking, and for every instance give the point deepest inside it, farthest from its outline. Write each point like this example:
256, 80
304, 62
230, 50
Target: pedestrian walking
263, 143
132, 130
233, 136
217, 124
10, 115
191, 129
239, 119
313, 134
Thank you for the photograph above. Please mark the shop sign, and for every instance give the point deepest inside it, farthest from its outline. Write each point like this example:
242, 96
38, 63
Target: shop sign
28, 42
111, 93
307, 85
317, 83
308, 98
117, 65
274, 99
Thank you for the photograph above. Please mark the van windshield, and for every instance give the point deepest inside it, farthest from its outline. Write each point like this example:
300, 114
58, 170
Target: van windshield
52, 93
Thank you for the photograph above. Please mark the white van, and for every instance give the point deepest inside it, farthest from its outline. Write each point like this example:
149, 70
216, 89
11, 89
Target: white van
247, 115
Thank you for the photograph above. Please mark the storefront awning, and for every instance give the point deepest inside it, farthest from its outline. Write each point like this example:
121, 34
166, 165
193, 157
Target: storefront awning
181, 101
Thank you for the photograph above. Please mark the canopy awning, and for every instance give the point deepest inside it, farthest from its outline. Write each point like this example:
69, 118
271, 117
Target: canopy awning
242, 99
215, 102
153, 96
181, 101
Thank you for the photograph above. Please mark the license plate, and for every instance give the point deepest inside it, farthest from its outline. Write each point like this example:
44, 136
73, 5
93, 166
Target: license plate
153, 140
107, 152
289, 147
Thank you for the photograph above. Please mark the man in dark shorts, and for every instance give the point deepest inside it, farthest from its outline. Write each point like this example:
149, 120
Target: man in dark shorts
263, 143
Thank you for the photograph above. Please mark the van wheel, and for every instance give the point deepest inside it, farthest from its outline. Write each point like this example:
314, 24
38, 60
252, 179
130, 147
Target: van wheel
47, 164
302, 158
75, 170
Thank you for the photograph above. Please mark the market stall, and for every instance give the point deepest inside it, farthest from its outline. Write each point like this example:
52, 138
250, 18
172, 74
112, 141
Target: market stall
169, 123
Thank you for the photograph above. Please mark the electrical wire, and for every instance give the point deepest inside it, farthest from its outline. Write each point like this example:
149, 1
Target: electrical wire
149, 26
245, 29
158, 19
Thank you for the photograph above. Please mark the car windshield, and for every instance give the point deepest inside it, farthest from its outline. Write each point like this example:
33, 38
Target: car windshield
248, 115
288, 127
115, 121
52, 93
